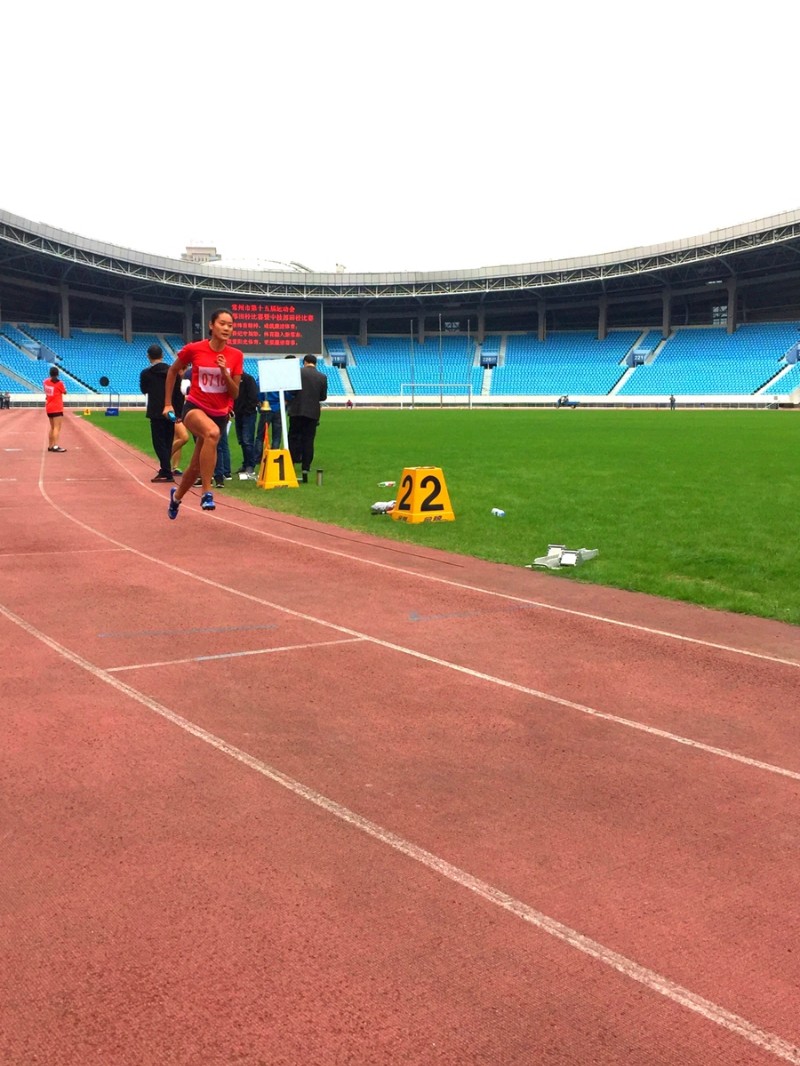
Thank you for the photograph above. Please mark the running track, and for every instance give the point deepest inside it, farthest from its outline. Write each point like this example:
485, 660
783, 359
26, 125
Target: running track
277, 793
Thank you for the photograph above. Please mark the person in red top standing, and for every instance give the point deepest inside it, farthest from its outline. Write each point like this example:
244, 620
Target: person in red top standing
54, 392
216, 372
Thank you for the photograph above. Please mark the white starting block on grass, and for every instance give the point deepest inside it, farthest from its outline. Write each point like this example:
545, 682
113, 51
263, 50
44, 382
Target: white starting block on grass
558, 555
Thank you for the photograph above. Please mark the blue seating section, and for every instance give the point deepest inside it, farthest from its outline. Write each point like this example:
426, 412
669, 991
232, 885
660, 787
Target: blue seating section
491, 345
90, 355
336, 346
15, 335
698, 362
334, 376
385, 364
563, 363
174, 342
692, 362
649, 343
34, 371
10, 385
786, 384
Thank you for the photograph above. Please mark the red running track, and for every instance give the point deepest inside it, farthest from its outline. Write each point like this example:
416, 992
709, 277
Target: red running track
273, 792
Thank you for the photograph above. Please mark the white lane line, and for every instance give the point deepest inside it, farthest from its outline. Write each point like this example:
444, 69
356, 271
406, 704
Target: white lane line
422, 656
60, 552
317, 548
234, 654
650, 979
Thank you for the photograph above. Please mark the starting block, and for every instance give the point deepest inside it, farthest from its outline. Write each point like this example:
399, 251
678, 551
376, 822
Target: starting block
422, 496
276, 470
558, 555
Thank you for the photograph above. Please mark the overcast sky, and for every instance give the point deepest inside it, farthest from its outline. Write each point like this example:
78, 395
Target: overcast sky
384, 135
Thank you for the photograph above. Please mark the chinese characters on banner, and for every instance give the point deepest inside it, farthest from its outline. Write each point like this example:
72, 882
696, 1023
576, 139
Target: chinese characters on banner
267, 327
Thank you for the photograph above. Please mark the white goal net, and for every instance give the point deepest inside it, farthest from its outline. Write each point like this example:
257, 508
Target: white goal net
435, 394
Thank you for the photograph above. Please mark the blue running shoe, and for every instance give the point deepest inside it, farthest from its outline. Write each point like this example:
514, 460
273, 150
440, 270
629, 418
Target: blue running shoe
207, 501
172, 509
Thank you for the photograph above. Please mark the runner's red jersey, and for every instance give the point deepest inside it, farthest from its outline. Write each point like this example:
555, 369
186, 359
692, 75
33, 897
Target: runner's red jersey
208, 389
54, 392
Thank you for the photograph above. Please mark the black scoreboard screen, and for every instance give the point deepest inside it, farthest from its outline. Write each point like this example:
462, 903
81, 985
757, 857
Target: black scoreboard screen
271, 327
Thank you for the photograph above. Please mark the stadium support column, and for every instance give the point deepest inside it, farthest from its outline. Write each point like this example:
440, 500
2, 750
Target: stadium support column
541, 308
362, 327
187, 323
63, 293
666, 312
731, 285
602, 319
127, 321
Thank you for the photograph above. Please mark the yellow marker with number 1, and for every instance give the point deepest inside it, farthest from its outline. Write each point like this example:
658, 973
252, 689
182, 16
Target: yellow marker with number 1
276, 470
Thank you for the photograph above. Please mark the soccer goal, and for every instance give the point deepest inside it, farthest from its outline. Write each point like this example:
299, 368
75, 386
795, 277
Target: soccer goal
431, 394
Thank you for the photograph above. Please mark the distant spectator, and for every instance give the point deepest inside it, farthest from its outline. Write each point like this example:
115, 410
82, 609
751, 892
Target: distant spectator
152, 382
181, 434
54, 392
245, 410
222, 471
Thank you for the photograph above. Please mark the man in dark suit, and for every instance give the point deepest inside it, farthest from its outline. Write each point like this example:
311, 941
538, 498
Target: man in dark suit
152, 382
304, 412
245, 409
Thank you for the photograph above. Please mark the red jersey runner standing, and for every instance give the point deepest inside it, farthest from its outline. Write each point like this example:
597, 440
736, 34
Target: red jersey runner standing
54, 393
216, 372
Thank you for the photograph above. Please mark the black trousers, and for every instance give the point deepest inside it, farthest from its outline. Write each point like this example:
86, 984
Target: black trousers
162, 432
302, 432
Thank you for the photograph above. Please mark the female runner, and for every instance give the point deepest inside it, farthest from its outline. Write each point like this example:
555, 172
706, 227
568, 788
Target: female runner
216, 372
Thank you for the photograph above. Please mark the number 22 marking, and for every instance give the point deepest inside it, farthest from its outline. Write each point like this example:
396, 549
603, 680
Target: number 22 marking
428, 503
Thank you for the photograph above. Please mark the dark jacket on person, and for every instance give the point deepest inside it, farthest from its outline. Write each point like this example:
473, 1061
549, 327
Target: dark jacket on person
246, 403
313, 392
152, 382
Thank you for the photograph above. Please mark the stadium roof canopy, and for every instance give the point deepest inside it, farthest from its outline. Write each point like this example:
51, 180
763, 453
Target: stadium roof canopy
765, 252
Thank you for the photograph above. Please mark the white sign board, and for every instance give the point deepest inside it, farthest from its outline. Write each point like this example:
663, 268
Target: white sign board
278, 375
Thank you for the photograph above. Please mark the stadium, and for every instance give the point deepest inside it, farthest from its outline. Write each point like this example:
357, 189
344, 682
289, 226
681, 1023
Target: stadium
284, 787
711, 320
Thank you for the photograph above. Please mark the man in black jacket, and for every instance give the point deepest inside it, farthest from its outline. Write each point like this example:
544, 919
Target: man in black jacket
245, 411
152, 381
304, 413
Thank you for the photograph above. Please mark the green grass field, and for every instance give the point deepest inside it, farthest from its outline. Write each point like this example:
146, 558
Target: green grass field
690, 505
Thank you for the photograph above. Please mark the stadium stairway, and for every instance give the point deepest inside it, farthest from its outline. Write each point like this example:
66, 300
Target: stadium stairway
344, 377
629, 371
784, 370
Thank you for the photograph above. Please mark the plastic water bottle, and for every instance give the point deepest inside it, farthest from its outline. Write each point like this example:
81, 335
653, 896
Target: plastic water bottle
171, 416
498, 512
386, 484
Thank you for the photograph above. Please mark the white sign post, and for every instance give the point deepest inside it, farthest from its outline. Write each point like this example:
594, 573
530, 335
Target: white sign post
281, 376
